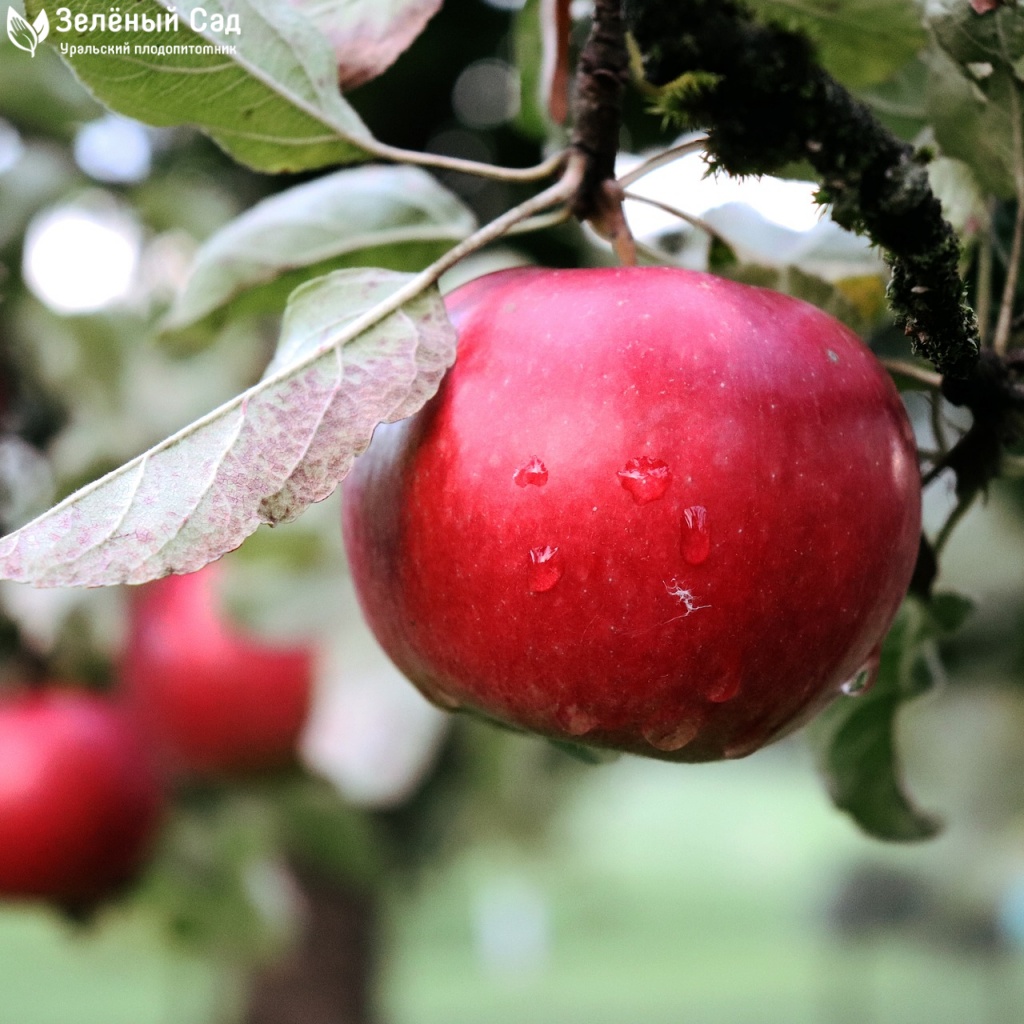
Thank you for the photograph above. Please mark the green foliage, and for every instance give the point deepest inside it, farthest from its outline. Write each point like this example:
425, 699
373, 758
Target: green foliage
860, 42
219, 881
856, 736
281, 74
314, 227
976, 88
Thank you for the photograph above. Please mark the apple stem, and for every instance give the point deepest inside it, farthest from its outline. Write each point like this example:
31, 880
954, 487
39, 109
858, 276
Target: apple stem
960, 509
939, 426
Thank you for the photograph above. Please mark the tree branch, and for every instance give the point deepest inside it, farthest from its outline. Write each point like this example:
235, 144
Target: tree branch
766, 103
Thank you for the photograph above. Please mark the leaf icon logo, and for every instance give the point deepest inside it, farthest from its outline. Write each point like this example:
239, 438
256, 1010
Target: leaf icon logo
24, 35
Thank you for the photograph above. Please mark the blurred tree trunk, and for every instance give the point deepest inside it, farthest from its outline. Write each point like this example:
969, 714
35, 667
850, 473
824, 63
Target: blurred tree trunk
328, 977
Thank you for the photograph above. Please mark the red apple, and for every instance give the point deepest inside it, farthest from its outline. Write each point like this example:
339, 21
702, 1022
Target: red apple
649, 509
213, 699
79, 799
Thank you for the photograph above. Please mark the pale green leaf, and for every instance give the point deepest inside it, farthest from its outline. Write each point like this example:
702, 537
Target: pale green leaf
337, 215
263, 457
973, 122
272, 103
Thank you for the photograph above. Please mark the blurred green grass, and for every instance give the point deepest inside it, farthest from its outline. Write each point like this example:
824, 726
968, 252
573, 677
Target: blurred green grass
120, 970
667, 894
691, 895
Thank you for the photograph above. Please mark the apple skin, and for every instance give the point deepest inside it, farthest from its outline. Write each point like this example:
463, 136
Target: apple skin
649, 509
80, 801
214, 700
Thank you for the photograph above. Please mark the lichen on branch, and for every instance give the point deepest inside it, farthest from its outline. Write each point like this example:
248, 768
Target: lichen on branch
765, 102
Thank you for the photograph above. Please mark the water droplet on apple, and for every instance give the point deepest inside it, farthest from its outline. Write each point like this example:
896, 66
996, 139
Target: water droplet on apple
696, 534
574, 720
722, 690
864, 678
533, 471
645, 478
672, 735
545, 569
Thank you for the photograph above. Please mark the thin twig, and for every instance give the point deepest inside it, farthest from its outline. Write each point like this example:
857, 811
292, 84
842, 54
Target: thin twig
540, 222
938, 427
1001, 339
959, 511
673, 211
922, 374
656, 256
394, 154
667, 156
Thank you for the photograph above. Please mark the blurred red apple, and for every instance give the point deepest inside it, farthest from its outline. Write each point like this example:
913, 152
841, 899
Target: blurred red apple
649, 509
213, 699
79, 798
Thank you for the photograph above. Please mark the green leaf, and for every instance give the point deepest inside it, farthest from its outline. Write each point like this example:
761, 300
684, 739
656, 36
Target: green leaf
306, 226
861, 42
341, 367
899, 101
949, 611
973, 120
956, 186
855, 737
272, 103
367, 37
970, 38
975, 87
863, 776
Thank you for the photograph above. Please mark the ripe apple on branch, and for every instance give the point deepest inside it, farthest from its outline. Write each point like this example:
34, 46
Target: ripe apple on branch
80, 797
646, 510
649, 509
